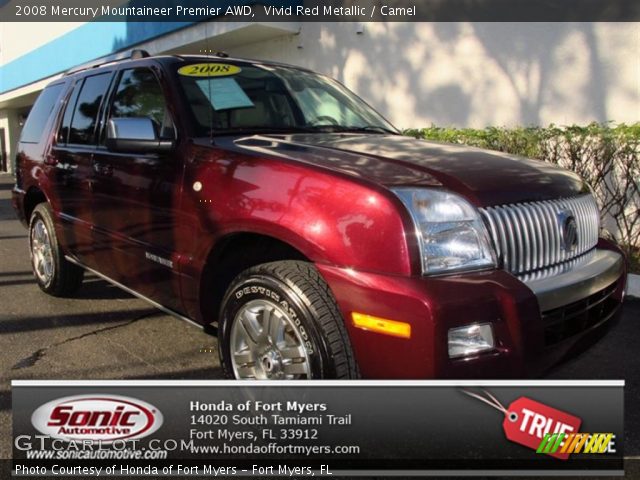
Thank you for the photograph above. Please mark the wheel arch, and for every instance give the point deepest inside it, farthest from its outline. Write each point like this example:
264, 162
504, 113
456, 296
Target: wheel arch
233, 254
32, 199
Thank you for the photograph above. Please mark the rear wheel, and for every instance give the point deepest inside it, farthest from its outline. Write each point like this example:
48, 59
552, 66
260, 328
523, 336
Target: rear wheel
279, 321
54, 274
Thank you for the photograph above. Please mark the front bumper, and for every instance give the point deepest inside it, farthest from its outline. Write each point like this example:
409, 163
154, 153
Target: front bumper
527, 318
599, 269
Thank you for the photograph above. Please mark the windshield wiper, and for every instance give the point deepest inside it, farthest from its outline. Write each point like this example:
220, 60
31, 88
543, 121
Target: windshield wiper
327, 128
352, 128
259, 130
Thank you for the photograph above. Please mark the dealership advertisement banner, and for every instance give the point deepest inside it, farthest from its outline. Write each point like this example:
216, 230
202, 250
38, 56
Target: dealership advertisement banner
382, 428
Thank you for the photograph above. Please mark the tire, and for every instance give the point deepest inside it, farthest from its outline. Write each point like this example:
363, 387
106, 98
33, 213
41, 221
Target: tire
54, 274
280, 321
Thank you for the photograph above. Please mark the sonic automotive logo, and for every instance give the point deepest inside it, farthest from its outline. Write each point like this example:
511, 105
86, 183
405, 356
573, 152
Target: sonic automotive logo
104, 418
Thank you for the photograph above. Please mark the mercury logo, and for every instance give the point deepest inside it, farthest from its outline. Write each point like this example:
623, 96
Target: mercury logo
568, 230
104, 418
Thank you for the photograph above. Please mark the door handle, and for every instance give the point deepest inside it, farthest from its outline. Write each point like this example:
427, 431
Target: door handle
50, 159
103, 169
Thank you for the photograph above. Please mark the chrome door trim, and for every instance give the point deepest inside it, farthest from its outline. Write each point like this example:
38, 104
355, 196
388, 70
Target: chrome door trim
134, 293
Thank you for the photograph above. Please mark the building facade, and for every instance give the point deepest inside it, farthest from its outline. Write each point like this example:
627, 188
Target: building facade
416, 74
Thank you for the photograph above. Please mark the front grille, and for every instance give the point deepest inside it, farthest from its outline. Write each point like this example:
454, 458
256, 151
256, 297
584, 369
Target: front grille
559, 269
528, 236
569, 320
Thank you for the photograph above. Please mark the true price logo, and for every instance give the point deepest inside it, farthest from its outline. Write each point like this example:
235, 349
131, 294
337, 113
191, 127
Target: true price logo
104, 418
527, 421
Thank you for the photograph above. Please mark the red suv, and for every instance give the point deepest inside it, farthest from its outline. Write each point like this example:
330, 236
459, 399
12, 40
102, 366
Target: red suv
272, 203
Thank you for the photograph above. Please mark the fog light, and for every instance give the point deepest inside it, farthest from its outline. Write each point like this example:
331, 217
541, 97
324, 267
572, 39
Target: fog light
470, 339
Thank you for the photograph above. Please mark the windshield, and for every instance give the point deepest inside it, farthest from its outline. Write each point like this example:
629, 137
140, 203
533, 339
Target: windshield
227, 98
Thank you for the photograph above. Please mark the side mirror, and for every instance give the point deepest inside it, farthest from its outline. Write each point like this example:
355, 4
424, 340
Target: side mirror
135, 135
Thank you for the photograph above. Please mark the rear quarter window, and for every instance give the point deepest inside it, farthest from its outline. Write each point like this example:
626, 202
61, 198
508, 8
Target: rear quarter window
37, 120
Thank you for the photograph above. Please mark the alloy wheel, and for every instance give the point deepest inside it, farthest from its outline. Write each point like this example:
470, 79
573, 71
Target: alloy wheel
266, 345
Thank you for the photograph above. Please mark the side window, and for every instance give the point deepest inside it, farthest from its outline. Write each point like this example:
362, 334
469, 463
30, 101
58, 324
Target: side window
40, 113
85, 113
65, 126
139, 94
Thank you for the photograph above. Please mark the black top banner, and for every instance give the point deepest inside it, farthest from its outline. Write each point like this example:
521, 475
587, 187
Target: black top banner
321, 10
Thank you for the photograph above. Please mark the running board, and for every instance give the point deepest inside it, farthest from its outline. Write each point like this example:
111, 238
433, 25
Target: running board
135, 294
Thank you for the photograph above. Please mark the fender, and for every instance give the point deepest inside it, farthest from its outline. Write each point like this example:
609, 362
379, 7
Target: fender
331, 219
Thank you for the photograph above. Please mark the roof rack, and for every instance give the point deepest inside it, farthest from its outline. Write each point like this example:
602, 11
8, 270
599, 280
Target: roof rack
116, 57
205, 53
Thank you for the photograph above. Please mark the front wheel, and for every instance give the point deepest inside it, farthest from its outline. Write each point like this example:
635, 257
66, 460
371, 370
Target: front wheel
279, 321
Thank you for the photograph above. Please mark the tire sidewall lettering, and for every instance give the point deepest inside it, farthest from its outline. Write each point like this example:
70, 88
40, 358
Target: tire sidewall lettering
267, 292
245, 293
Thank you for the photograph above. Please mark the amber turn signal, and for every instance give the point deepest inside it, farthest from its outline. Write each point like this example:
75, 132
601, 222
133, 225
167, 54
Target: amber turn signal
381, 325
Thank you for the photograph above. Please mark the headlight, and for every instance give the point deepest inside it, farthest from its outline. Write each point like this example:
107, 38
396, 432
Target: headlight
450, 231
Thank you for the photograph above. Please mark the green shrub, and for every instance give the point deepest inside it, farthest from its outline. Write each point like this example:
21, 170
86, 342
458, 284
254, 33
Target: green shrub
605, 155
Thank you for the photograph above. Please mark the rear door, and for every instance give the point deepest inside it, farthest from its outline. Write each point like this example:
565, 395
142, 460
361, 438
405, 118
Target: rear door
71, 157
138, 194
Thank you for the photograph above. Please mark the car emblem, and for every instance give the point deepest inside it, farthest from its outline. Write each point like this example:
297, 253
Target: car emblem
568, 230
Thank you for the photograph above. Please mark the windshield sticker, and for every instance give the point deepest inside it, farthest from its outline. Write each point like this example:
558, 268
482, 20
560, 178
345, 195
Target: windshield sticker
224, 93
209, 70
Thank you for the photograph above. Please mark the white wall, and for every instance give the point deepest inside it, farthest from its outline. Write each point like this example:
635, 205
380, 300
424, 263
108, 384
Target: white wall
19, 38
9, 121
461, 74
475, 74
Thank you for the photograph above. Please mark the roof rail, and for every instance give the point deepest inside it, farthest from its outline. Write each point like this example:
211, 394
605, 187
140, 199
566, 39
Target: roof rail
205, 53
116, 57
138, 53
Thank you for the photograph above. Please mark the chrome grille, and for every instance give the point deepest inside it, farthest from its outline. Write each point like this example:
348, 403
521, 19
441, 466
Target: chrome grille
528, 236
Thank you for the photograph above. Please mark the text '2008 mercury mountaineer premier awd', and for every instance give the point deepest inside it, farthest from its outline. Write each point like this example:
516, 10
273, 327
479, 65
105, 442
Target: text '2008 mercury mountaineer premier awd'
273, 203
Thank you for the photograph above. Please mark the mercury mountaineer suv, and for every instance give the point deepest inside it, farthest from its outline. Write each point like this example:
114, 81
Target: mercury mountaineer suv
275, 206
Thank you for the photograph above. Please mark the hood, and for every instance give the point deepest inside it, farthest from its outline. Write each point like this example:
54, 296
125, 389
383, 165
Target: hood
484, 177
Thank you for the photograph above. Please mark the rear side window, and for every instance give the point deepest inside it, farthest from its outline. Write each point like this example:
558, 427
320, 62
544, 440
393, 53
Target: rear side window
40, 113
63, 133
85, 113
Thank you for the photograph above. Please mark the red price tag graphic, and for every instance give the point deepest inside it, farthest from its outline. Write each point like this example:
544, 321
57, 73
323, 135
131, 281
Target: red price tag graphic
526, 421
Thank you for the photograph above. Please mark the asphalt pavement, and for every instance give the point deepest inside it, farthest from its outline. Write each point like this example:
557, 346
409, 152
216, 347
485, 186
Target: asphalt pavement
105, 333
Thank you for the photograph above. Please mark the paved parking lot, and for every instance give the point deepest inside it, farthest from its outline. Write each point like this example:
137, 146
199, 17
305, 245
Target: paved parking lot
105, 333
